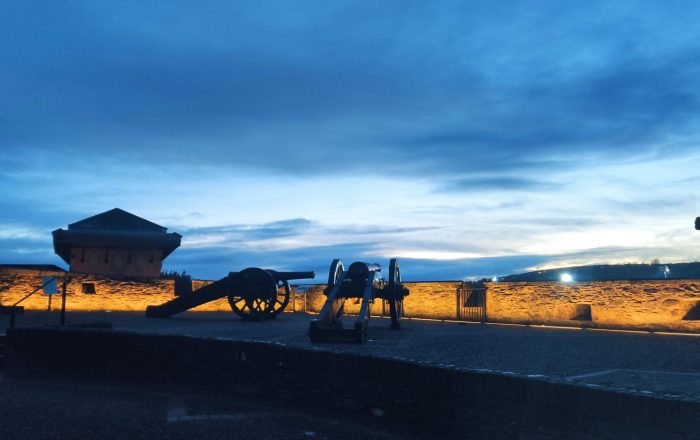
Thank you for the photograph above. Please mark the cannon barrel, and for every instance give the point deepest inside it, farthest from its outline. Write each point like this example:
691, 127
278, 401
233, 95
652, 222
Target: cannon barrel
697, 223
359, 270
252, 293
203, 295
360, 281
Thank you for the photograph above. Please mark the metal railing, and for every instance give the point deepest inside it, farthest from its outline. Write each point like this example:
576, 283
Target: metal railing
471, 302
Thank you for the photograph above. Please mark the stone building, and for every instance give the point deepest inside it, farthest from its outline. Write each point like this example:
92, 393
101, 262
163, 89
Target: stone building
115, 243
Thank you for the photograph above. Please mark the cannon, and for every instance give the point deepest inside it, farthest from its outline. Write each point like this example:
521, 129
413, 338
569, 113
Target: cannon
253, 294
697, 223
361, 280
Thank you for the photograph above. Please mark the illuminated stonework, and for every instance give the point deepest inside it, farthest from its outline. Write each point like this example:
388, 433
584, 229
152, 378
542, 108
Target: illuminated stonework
643, 304
672, 305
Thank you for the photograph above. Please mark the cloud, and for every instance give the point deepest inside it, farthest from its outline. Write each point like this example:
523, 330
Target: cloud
198, 261
283, 228
616, 255
641, 204
30, 214
318, 259
291, 227
27, 250
503, 183
446, 128
256, 85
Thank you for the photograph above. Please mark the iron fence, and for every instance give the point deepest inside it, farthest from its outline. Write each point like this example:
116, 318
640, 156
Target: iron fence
471, 302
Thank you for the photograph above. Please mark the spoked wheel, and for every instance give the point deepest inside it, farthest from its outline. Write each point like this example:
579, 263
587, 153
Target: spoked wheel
334, 273
272, 306
239, 306
258, 295
395, 293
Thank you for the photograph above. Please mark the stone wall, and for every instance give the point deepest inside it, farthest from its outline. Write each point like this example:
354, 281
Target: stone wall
94, 292
83, 292
436, 300
427, 300
672, 305
650, 305
644, 304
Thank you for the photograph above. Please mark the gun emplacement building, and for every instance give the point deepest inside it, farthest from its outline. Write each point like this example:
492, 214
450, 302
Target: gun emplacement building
115, 243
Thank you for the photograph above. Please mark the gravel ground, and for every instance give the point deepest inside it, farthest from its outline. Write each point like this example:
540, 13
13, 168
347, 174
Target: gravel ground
57, 410
585, 356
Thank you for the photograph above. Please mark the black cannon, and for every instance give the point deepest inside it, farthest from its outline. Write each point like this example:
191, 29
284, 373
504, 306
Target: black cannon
697, 223
253, 294
361, 280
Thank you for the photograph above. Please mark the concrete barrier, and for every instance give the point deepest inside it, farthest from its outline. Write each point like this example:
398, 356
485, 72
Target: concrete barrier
434, 401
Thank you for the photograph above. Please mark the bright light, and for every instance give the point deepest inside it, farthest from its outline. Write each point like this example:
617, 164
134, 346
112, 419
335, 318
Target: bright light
566, 278
494, 279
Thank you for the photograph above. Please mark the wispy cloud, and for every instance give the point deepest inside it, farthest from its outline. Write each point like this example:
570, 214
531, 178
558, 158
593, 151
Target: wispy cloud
497, 183
430, 130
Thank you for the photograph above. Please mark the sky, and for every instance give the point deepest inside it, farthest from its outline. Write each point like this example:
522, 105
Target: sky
467, 139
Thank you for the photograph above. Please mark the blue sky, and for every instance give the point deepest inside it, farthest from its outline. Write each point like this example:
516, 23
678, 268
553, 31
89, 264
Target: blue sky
466, 139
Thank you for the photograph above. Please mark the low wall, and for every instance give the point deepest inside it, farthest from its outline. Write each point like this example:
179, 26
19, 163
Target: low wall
655, 304
427, 300
109, 294
435, 401
435, 300
106, 294
671, 305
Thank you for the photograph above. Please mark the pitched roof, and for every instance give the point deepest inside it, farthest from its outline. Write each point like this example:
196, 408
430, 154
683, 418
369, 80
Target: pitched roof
116, 220
114, 228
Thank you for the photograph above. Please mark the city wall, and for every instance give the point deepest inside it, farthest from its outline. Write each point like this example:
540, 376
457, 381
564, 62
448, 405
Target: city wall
83, 292
672, 305
641, 304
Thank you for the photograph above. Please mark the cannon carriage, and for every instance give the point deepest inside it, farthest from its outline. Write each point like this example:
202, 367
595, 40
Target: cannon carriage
253, 294
363, 281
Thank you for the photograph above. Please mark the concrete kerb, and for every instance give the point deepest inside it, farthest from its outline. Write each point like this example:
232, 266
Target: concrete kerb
439, 399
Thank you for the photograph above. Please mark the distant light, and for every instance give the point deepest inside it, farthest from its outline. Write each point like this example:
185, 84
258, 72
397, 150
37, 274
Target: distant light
566, 278
494, 279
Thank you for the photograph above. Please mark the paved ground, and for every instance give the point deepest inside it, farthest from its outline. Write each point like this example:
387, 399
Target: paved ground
659, 364
55, 410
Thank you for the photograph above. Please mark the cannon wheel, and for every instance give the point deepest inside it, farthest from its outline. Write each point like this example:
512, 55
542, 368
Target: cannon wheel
395, 303
334, 273
274, 305
258, 295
